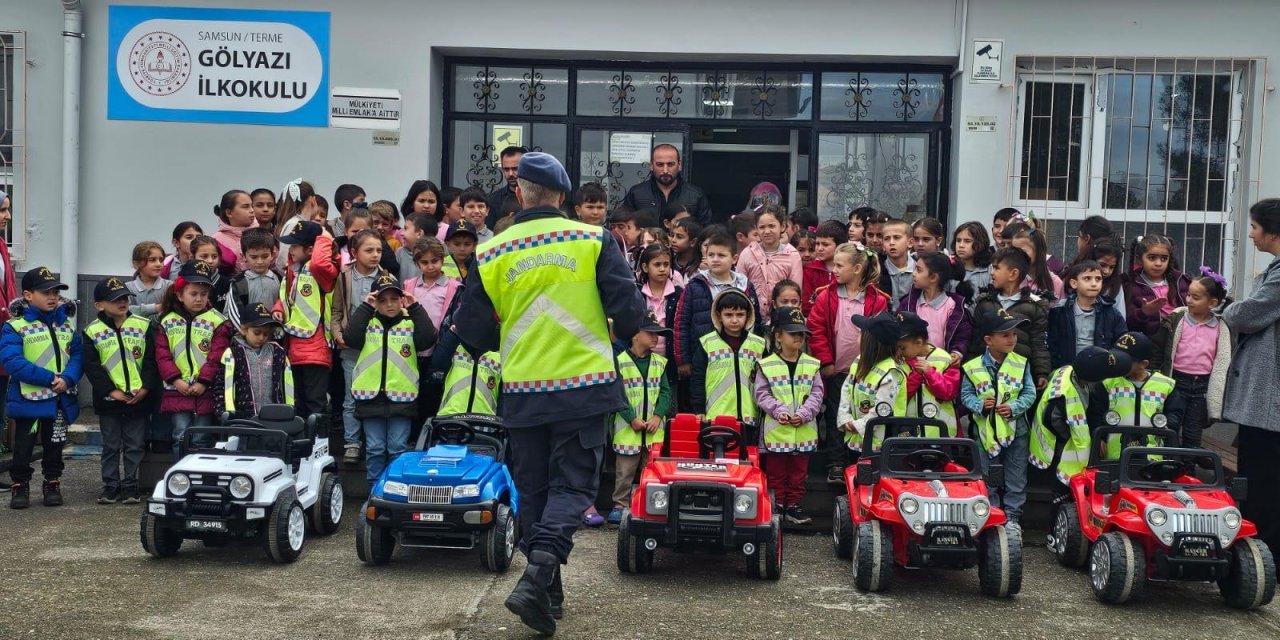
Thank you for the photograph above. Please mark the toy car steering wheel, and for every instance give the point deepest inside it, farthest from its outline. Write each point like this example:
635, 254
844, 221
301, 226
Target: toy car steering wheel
1161, 470
718, 435
454, 432
926, 460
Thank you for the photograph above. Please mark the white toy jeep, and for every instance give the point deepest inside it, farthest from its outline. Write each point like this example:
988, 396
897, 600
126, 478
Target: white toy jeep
263, 478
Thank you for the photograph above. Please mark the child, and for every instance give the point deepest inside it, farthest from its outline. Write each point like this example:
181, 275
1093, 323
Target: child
385, 222
1109, 255
649, 402
189, 346
183, 234
802, 240
591, 203
1154, 288
673, 212
345, 198
257, 284
351, 288
768, 260
998, 391
802, 219
858, 220
877, 379
686, 247
297, 203
1008, 274
417, 227
928, 235
724, 360
358, 220
972, 248
255, 369
624, 222
785, 295
1060, 436
743, 227
789, 393
932, 375
40, 348
207, 250
320, 210
1086, 319
431, 288
836, 337
1042, 278
1194, 347
694, 317
1136, 398
474, 210
423, 197
998, 222
147, 286
235, 214
120, 363
895, 273
1091, 230
661, 293
873, 229
264, 207
461, 241
820, 271
388, 329
304, 308
945, 313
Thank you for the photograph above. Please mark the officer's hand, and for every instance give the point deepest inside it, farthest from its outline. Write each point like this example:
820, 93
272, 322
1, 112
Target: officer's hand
1005, 411
118, 396
828, 371
685, 370
59, 385
988, 404
637, 424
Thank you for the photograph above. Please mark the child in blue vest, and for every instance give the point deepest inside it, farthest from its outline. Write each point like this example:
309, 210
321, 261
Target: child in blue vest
40, 349
649, 402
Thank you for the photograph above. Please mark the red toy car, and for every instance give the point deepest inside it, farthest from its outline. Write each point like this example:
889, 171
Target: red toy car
921, 502
693, 495
1149, 515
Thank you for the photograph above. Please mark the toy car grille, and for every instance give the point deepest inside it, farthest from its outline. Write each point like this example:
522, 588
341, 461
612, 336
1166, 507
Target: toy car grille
1192, 522
210, 480
424, 494
945, 511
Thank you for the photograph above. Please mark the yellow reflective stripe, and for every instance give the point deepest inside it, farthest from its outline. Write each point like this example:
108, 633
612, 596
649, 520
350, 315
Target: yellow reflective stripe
229, 382
546, 306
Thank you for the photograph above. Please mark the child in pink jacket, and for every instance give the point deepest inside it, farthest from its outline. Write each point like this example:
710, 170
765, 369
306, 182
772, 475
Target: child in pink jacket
769, 260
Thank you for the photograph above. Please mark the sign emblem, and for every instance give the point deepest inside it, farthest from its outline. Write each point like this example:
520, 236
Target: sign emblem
159, 63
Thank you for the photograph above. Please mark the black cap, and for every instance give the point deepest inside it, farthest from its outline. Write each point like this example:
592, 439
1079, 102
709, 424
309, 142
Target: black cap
1137, 345
543, 169
1000, 321
1095, 364
912, 325
386, 282
303, 232
788, 319
461, 227
257, 315
109, 290
651, 324
883, 326
41, 279
197, 272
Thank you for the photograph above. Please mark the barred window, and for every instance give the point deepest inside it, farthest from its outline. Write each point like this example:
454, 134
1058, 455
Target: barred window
12, 139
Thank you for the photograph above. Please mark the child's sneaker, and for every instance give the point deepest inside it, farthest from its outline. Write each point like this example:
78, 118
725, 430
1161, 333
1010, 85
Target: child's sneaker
52, 490
615, 516
796, 515
108, 496
19, 495
131, 497
352, 454
592, 518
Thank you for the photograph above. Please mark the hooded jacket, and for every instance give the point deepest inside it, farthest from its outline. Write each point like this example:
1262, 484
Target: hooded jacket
1108, 326
764, 270
697, 382
1137, 292
693, 313
959, 330
22, 370
1032, 338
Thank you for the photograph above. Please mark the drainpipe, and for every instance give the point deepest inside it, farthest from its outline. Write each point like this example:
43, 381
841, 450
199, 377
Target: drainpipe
962, 9
72, 20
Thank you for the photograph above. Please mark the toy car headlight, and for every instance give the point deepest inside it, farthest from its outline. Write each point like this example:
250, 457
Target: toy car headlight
1157, 517
395, 488
179, 484
1231, 519
884, 409
466, 491
1113, 418
657, 498
929, 411
241, 487
1159, 421
909, 506
982, 508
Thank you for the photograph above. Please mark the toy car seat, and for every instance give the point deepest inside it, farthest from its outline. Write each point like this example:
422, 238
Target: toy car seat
681, 438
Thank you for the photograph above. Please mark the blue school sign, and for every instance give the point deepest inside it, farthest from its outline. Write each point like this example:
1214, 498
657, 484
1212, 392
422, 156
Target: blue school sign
218, 65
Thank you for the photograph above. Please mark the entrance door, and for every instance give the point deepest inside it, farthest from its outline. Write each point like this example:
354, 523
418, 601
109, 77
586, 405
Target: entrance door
731, 161
619, 158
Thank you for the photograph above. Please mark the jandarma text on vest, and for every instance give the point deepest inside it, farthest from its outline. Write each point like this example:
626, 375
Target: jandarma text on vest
548, 259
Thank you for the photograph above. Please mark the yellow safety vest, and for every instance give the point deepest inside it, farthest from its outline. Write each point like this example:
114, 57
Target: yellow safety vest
121, 350
306, 307
993, 430
864, 399
940, 361
728, 377
388, 363
1136, 404
39, 348
642, 396
229, 384
1075, 452
451, 269
470, 386
190, 341
541, 277
792, 392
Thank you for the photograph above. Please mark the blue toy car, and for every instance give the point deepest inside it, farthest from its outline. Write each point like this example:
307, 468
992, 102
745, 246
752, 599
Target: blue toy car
452, 491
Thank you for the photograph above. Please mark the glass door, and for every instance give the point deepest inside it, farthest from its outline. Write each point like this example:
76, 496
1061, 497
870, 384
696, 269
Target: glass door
619, 158
888, 171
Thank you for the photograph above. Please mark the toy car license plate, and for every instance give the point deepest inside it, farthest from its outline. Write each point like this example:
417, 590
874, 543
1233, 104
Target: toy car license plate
207, 525
420, 516
1195, 549
947, 537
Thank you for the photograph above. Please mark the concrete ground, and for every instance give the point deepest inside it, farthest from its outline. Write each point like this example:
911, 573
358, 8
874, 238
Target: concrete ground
78, 571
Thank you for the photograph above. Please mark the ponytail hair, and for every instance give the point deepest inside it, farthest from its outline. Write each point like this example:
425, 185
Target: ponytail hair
1039, 264
1142, 244
292, 200
860, 255
939, 264
228, 203
933, 227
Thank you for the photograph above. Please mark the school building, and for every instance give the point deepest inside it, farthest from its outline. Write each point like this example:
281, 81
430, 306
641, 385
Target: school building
122, 119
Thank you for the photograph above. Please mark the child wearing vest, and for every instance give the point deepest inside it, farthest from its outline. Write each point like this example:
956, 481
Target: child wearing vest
189, 349
877, 378
255, 369
724, 361
932, 378
1194, 347
998, 390
649, 401
1060, 435
789, 393
120, 364
353, 285
304, 309
471, 386
436, 293
1140, 395
385, 379
40, 349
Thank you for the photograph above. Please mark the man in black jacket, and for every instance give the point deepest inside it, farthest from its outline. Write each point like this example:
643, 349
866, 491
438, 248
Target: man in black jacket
508, 162
665, 186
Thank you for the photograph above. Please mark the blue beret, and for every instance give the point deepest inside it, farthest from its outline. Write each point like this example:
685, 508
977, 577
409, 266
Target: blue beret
543, 169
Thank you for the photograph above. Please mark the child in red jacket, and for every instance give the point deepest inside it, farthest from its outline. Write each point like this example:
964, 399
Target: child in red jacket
818, 272
934, 378
304, 310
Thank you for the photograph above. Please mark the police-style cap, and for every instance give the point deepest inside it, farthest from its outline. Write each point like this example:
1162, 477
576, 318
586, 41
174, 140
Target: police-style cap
257, 315
1095, 364
303, 232
1137, 345
883, 327
788, 319
197, 272
912, 325
386, 282
461, 227
1001, 321
109, 290
651, 324
41, 279
543, 169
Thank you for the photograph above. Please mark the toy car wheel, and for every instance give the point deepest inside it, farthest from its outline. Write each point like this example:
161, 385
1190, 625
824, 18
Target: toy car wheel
1117, 568
326, 513
286, 529
157, 540
374, 544
499, 542
633, 557
1000, 562
1068, 542
872, 556
1251, 582
842, 528
766, 562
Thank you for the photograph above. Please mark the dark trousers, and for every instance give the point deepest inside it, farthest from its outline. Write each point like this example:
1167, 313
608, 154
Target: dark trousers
311, 388
786, 473
1258, 452
837, 452
122, 434
26, 432
556, 468
1196, 419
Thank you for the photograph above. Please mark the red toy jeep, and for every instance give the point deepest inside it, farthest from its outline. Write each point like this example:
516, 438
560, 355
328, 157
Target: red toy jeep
702, 490
1149, 515
922, 502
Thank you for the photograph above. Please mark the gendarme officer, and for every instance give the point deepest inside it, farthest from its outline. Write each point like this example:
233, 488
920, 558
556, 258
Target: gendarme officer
542, 293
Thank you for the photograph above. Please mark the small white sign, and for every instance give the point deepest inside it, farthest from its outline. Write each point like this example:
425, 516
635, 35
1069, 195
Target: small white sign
988, 61
353, 108
985, 124
386, 138
630, 148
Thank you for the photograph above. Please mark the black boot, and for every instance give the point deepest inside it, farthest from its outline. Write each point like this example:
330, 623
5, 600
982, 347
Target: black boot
555, 594
52, 493
529, 599
20, 495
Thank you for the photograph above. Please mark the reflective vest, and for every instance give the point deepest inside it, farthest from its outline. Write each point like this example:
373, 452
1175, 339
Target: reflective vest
306, 308
388, 363
642, 397
1136, 404
994, 431
451, 269
190, 341
864, 399
121, 350
792, 392
1075, 452
252, 404
541, 277
728, 377
471, 387
940, 361
39, 348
